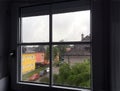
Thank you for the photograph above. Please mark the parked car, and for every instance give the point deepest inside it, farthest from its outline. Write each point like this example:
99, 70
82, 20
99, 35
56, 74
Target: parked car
47, 70
42, 73
34, 77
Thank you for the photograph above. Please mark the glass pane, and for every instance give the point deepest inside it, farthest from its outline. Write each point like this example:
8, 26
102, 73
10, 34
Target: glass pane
71, 65
35, 29
35, 63
73, 26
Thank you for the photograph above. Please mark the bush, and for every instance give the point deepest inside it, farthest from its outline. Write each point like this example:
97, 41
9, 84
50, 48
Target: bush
76, 75
57, 63
44, 80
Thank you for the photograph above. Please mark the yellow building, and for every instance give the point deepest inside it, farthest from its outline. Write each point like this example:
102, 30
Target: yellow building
28, 62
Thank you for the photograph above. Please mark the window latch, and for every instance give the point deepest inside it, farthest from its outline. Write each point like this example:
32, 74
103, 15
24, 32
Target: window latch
12, 53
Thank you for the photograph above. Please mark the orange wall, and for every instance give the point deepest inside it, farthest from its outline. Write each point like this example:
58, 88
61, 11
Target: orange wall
40, 57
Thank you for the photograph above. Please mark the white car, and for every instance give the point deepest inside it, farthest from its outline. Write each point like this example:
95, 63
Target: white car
47, 69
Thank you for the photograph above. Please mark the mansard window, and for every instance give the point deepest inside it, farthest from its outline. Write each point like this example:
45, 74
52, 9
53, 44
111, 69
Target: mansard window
55, 50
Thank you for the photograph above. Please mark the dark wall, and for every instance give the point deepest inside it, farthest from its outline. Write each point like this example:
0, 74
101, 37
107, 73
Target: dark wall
115, 45
4, 43
4, 38
100, 45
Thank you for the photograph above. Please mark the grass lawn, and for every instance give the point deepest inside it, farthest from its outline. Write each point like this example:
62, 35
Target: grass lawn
26, 76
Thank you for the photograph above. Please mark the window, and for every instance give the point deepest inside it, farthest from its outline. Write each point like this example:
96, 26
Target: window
35, 69
30, 23
54, 49
71, 61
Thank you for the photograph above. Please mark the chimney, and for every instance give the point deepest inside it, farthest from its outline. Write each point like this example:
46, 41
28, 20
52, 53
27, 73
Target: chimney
82, 36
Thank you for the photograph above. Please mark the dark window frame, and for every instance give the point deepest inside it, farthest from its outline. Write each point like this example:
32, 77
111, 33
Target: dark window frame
100, 44
50, 11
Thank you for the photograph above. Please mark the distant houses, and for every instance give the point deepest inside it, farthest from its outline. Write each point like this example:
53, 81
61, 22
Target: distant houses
28, 62
36, 56
79, 49
78, 53
33, 57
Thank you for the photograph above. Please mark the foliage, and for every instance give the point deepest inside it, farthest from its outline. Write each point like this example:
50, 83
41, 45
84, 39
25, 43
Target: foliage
55, 51
47, 54
76, 75
57, 63
44, 80
59, 50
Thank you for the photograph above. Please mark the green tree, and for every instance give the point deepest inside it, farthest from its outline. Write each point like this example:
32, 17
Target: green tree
55, 51
62, 51
76, 75
47, 54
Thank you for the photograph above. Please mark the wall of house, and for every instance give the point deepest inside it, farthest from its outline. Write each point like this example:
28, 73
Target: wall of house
4, 44
28, 62
115, 45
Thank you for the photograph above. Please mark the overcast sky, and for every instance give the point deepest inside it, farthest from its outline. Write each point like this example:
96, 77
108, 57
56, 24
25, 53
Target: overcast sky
66, 26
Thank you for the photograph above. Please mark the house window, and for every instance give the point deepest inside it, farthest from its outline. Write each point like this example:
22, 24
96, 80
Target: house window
71, 62
65, 41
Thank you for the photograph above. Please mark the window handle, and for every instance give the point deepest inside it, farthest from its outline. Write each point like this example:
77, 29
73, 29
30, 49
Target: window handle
12, 53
